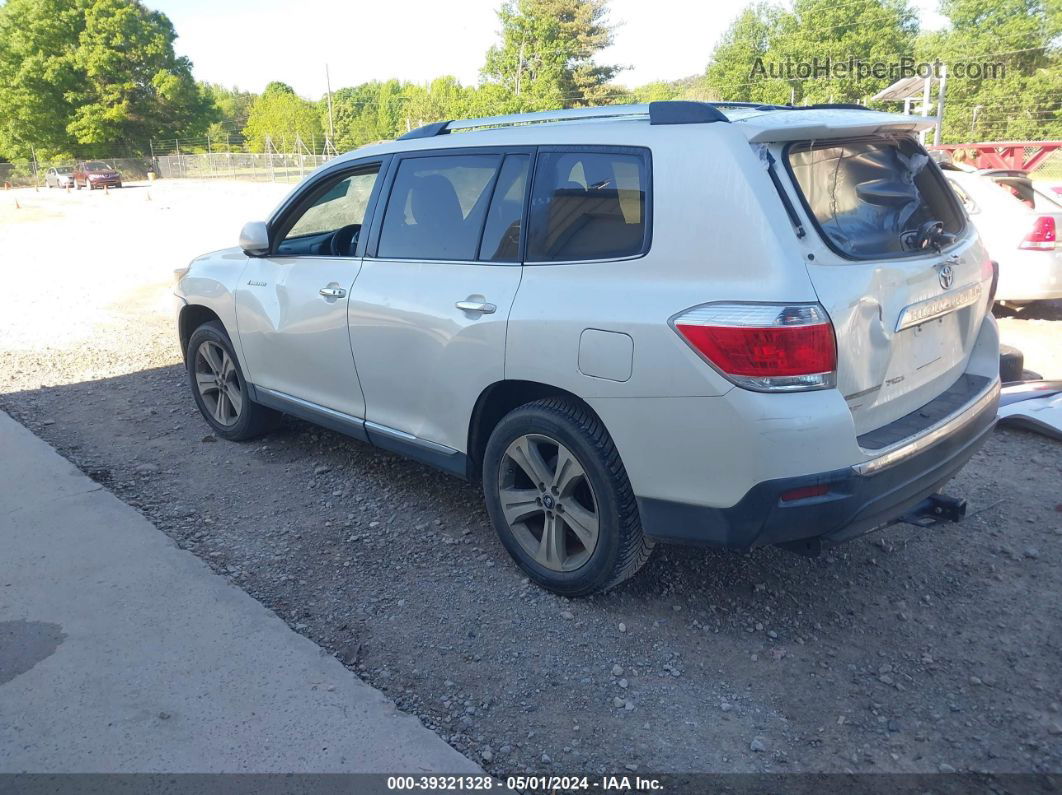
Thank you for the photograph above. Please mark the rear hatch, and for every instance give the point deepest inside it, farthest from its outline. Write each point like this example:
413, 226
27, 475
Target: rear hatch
889, 251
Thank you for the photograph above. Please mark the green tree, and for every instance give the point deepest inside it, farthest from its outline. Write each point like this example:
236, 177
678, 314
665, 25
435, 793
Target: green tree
746, 43
761, 55
233, 105
1020, 98
546, 55
366, 113
282, 117
78, 74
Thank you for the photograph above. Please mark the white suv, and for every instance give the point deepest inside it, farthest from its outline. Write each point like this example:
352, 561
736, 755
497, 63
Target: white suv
688, 322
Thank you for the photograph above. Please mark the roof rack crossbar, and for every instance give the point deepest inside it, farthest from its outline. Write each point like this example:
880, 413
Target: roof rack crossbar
674, 112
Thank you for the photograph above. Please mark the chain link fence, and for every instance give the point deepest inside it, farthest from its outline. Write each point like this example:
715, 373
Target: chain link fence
266, 167
269, 167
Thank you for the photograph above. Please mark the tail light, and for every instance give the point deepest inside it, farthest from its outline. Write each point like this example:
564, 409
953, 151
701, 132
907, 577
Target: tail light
1042, 237
764, 347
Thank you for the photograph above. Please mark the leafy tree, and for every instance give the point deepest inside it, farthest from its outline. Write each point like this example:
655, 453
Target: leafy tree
442, 98
233, 105
545, 58
1020, 100
746, 43
281, 116
367, 112
79, 73
761, 57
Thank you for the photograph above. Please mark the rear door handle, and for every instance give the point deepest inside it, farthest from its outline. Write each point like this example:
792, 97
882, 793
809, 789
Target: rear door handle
332, 292
476, 306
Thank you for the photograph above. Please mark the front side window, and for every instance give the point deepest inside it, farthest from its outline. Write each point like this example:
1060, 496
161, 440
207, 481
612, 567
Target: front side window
437, 207
331, 224
875, 197
587, 206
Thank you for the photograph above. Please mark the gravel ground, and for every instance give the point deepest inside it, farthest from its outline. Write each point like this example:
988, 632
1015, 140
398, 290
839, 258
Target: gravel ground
912, 649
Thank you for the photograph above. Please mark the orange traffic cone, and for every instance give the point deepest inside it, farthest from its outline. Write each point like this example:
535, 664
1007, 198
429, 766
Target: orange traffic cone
17, 205
105, 190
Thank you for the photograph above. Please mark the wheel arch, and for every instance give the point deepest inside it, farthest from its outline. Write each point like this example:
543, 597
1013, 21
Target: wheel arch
192, 317
497, 400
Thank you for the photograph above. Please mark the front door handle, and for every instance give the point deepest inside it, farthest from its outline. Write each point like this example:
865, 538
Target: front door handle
476, 306
332, 292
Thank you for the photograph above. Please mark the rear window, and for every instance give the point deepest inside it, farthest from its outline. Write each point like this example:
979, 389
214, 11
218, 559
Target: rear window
587, 206
875, 198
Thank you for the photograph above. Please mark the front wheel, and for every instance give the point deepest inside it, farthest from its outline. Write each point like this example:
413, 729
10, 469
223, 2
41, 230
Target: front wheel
219, 388
560, 500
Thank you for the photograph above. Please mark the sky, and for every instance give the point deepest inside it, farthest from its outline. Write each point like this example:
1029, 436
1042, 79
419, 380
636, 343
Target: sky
248, 43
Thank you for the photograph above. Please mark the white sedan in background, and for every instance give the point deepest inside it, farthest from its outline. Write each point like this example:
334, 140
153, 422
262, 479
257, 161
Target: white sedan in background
1019, 225
61, 177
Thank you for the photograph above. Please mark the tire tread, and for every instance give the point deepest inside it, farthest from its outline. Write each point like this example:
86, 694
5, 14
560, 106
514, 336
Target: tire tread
635, 548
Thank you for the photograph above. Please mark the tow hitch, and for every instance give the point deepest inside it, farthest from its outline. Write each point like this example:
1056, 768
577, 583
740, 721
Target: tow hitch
936, 508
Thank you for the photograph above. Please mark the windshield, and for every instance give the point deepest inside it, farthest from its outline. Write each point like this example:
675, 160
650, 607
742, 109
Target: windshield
875, 197
97, 165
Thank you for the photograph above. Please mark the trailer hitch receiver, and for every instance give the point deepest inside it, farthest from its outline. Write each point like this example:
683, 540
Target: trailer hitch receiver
937, 508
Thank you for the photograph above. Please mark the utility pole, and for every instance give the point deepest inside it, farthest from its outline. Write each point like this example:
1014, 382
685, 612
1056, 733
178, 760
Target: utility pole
519, 67
328, 86
940, 105
926, 88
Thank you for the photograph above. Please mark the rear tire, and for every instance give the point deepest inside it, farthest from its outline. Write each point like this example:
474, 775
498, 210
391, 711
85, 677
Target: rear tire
560, 500
219, 388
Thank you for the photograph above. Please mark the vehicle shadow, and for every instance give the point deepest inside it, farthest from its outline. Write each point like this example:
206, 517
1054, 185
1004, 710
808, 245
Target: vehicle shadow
141, 435
1037, 310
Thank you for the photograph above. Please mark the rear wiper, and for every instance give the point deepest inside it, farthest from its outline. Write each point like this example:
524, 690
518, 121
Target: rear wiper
790, 210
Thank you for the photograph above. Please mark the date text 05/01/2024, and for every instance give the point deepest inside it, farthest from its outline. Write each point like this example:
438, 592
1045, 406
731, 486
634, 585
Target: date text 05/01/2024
525, 783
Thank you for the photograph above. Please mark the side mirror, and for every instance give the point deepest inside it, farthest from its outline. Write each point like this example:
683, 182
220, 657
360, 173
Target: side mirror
254, 238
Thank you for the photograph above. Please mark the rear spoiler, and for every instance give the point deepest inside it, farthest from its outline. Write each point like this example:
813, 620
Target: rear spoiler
815, 124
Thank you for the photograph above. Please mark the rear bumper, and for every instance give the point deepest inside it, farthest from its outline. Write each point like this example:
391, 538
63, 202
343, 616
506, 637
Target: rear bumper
1030, 276
859, 499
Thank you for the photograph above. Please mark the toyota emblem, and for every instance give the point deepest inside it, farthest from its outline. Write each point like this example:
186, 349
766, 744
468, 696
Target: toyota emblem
946, 275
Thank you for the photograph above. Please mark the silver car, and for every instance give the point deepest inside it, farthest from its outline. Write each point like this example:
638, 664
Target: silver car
59, 177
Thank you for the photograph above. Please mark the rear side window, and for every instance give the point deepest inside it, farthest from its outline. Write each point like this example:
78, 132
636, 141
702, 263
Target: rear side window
874, 198
587, 206
501, 235
437, 207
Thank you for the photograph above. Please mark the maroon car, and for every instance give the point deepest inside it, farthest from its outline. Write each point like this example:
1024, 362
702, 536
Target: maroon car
96, 174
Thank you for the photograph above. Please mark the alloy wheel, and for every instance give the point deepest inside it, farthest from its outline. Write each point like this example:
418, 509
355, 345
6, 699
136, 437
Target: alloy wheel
548, 502
218, 383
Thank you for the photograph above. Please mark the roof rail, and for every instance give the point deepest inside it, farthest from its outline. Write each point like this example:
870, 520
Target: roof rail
675, 112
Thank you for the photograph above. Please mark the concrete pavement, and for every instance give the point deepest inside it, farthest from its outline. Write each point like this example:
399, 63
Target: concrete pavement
120, 652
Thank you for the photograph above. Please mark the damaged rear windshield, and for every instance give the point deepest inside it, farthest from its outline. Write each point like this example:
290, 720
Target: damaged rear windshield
875, 197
